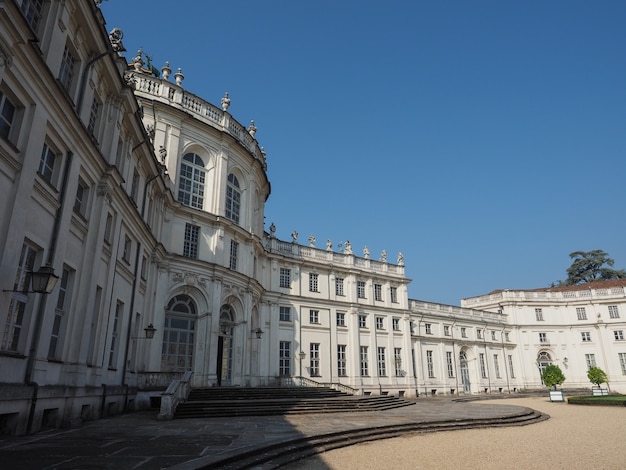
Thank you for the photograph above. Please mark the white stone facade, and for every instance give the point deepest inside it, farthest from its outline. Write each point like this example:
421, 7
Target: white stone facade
573, 327
148, 202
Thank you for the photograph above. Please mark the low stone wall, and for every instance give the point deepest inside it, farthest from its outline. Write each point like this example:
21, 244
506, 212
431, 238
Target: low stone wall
26, 409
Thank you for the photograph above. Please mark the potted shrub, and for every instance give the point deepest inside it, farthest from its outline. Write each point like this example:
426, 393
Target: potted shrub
598, 377
552, 376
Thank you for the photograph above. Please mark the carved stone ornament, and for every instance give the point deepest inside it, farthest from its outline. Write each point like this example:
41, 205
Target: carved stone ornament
252, 128
5, 58
179, 77
166, 71
225, 102
115, 37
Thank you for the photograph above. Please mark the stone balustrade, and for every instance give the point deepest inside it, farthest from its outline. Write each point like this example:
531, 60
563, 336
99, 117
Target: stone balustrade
294, 250
417, 306
541, 295
174, 95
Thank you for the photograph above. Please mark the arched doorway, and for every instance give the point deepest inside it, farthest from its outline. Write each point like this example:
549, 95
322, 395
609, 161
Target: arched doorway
543, 360
465, 377
178, 335
225, 346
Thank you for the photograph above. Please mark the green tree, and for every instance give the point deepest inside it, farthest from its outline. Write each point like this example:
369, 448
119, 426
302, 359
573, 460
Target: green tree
552, 376
597, 376
591, 266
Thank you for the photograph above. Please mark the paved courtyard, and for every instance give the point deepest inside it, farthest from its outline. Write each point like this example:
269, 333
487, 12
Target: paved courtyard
139, 441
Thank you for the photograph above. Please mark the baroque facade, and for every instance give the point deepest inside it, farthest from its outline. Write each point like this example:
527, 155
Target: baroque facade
147, 201
575, 327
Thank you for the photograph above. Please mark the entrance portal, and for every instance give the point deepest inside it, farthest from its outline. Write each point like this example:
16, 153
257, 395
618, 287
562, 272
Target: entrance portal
225, 347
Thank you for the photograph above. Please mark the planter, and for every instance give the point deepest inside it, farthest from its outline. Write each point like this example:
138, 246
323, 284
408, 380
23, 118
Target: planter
556, 395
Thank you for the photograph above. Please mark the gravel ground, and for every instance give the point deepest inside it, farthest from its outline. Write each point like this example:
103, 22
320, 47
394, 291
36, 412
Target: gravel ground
575, 437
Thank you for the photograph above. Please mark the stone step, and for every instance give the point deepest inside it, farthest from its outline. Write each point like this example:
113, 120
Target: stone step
277, 455
204, 403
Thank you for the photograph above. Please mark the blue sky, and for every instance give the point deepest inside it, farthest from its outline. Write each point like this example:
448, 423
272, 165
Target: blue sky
485, 140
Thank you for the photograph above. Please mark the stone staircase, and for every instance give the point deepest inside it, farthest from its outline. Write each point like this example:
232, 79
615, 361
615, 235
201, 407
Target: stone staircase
270, 457
266, 401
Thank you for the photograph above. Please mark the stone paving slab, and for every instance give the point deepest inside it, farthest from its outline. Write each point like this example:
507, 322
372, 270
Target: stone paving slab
140, 441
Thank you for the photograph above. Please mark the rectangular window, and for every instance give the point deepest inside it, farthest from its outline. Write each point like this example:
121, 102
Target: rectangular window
144, 267
364, 361
362, 321
360, 289
493, 335
613, 311
394, 295
446, 330
590, 359
313, 282
284, 313
483, 368
80, 201
314, 351
285, 277
117, 323
581, 313
382, 363
341, 319
190, 245
428, 328
108, 229
378, 292
314, 316
397, 360
234, 251
496, 366
46, 163
622, 362
585, 336
506, 336
430, 366
511, 371
479, 333
284, 364
134, 186
341, 360
17, 306
93, 117
463, 332
380, 323
60, 310
66, 72
31, 9
128, 245
339, 286
619, 335
539, 314
543, 337
450, 364
8, 114
395, 323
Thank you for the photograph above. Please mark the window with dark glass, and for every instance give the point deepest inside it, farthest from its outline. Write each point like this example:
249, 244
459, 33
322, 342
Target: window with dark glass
233, 198
191, 181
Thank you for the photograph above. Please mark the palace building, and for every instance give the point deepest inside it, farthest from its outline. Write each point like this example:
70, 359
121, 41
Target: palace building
145, 203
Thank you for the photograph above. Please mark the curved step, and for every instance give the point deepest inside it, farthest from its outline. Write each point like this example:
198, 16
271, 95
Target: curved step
277, 455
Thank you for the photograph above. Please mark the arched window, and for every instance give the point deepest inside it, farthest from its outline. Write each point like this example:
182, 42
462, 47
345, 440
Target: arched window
543, 361
191, 181
178, 335
233, 198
